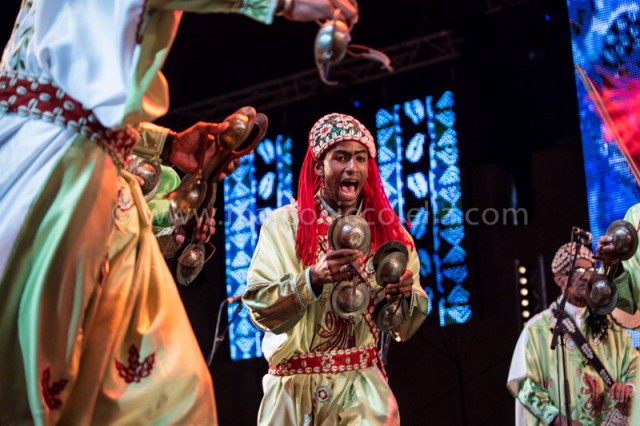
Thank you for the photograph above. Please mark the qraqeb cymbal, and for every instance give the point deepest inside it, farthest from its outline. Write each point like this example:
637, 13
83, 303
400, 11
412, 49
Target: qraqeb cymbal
390, 262
625, 238
350, 231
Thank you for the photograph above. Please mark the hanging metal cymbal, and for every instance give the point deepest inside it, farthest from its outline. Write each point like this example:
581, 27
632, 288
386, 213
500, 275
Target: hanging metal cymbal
150, 172
625, 238
350, 231
602, 294
350, 298
390, 315
390, 262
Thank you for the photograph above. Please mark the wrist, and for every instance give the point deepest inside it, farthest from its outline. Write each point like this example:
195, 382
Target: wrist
314, 281
167, 148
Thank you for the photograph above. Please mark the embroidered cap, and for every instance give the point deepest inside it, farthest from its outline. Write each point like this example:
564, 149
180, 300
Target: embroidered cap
334, 128
564, 254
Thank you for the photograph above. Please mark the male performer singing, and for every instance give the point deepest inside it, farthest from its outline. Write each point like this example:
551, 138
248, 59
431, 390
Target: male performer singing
325, 369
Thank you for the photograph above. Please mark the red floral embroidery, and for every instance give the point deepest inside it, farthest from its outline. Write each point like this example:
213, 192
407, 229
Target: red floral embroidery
50, 391
337, 333
136, 370
596, 403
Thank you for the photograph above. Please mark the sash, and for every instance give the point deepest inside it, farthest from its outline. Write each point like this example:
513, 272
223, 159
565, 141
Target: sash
619, 414
586, 350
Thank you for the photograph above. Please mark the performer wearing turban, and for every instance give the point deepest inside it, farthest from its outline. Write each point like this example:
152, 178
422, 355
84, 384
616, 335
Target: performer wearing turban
533, 377
325, 369
92, 328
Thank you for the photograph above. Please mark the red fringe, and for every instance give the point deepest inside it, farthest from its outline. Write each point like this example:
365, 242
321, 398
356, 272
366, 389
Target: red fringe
385, 224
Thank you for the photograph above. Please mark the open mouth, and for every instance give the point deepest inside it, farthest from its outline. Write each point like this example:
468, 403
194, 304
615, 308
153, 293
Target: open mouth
349, 187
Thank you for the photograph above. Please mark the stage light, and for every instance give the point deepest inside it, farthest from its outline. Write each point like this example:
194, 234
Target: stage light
530, 285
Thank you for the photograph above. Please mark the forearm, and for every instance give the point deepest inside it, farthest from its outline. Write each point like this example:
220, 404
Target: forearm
278, 305
260, 10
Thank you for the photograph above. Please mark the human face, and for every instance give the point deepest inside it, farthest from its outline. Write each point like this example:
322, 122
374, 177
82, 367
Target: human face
343, 170
578, 290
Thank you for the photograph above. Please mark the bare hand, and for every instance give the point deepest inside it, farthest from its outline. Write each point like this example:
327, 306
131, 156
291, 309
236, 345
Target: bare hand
189, 145
335, 266
202, 233
606, 251
620, 392
320, 10
401, 289
231, 167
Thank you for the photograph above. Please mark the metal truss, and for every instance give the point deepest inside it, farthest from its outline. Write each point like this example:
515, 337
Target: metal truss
406, 56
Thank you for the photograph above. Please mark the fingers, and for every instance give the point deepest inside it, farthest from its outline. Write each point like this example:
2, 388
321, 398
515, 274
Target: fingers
350, 254
231, 167
216, 128
349, 10
401, 289
620, 392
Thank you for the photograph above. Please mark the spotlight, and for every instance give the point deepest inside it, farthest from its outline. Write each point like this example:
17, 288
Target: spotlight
529, 283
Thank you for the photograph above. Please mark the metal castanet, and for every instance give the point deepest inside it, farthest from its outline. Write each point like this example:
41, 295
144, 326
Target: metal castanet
390, 262
350, 298
150, 172
332, 44
624, 238
195, 196
602, 293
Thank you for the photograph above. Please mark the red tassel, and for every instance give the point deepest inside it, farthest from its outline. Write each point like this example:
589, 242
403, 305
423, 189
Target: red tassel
384, 223
307, 235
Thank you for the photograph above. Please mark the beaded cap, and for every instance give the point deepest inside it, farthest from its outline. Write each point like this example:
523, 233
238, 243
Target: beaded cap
562, 259
334, 128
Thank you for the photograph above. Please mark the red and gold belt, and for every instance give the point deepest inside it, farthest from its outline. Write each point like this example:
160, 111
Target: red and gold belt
337, 361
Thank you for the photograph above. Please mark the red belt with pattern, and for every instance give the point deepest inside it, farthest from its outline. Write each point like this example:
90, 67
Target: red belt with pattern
39, 98
332, 362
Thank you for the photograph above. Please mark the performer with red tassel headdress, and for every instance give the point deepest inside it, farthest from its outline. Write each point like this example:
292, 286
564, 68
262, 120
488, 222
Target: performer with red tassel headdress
315, 354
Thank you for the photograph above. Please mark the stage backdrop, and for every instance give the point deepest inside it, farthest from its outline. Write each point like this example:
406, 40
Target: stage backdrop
605, 39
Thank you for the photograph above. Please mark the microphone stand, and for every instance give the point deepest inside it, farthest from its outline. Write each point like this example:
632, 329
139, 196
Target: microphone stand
219, 337
558, 330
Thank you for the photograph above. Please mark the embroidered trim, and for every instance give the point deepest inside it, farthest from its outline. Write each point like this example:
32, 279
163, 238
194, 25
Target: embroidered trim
136, 370
39, 98
337, 361
50, 391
